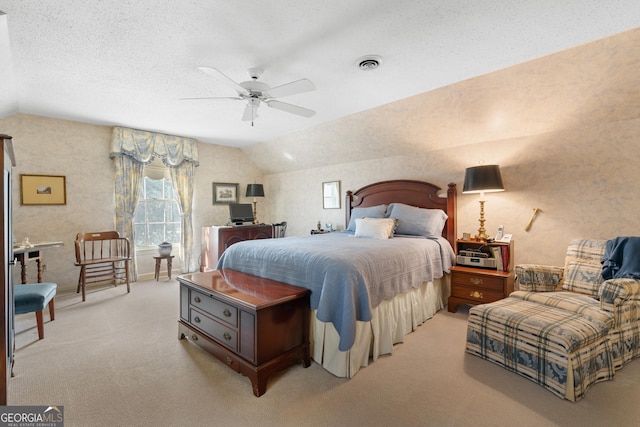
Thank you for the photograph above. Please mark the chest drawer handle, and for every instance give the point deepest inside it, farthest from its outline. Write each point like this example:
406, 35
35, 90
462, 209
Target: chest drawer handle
194, 337
475, 281
197, 299
196, 319
476, 294
228, 360
226, 312
227, 336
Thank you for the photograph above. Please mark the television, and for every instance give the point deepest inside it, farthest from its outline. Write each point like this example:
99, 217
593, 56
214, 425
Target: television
240, 213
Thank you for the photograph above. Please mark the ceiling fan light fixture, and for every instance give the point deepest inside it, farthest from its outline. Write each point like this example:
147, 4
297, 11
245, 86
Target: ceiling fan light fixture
255, 92
369, 62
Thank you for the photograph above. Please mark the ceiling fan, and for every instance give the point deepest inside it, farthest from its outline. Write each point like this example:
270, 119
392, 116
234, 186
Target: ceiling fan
255, 92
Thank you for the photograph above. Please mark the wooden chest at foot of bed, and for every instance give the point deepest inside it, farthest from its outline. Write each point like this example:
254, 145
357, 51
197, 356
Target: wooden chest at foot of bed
255, 326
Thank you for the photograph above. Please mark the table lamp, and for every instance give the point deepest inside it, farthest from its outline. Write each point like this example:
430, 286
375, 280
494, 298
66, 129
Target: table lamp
255, 190
482, 179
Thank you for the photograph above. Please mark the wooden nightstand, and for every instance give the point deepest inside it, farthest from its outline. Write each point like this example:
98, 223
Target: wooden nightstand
478, 286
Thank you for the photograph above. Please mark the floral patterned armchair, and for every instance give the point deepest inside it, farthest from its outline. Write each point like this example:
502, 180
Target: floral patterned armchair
565, 328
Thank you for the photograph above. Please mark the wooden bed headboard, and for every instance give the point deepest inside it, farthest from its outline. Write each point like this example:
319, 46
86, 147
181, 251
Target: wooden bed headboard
410, 192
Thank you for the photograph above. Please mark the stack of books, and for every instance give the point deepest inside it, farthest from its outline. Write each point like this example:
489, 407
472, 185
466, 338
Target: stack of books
501, 254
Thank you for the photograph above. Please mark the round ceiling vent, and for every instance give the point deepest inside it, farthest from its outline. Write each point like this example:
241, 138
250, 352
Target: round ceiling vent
369, 62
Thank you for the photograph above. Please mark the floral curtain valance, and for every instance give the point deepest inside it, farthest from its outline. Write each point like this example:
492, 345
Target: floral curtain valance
145, 146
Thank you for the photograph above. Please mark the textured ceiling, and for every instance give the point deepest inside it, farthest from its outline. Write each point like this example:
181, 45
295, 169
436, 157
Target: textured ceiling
129, 62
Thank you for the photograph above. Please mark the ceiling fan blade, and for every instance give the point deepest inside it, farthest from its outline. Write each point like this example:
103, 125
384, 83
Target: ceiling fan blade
299, 86
214, 97
219, 75
290, 108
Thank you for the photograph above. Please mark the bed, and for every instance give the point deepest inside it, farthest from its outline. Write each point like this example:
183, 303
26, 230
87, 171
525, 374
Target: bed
366, 293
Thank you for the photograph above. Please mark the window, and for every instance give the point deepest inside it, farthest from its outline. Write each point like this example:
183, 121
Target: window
157, 217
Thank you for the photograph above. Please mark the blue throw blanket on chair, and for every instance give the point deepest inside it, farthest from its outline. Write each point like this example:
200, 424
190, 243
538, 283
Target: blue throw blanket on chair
621, 258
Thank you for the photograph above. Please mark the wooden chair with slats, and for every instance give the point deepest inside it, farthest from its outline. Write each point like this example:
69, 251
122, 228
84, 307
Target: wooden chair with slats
279, 229
102, 256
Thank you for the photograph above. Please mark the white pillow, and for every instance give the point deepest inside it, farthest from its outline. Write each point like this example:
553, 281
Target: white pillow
375, 228
418, 221
370, 212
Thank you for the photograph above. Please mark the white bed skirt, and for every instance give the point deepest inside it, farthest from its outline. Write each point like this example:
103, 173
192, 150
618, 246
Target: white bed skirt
391, 321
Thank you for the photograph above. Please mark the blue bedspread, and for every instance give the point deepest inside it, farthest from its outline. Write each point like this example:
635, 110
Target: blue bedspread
347, 276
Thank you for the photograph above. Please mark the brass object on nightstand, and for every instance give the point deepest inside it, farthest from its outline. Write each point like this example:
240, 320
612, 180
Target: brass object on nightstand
476, 294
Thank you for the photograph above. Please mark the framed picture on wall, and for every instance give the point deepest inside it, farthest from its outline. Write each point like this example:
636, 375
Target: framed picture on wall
331, 195
43, 190
224, 193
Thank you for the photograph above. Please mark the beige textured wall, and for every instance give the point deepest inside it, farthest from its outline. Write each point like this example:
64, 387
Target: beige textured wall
80, 152
584, 180
221, 164
565, 130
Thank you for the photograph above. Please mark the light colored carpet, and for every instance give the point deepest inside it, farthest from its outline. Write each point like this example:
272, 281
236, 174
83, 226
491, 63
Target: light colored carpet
115, 360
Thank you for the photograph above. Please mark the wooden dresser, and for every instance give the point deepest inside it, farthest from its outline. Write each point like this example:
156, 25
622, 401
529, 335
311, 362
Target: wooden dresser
216, 239
255, 326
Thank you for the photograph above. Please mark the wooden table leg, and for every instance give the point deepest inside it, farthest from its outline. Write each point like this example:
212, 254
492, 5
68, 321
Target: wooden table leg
40, 269
169, 266
158, 260
23, 268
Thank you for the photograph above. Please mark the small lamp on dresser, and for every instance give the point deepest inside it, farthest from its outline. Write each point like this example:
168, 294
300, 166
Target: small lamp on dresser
255, 190
482, 179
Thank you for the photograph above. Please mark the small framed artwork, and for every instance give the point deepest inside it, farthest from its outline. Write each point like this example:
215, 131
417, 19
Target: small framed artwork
43, 190
224, 193
331, 195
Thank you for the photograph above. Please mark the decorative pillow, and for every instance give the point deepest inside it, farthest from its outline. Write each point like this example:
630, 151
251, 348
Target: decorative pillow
418, 221
538, 278
370, 212
583, 278
376, 228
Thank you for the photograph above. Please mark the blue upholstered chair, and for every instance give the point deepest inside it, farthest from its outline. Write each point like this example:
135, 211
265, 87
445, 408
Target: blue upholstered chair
32, 297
